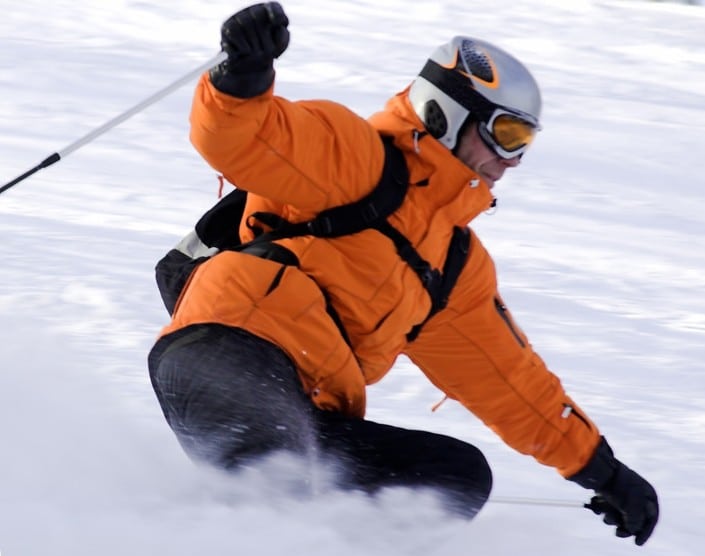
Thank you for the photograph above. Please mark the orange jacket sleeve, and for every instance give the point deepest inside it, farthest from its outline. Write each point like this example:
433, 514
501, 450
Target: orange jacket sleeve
310, 155
476, 354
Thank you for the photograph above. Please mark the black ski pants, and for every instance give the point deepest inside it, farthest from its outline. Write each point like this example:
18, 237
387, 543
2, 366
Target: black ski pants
231, 397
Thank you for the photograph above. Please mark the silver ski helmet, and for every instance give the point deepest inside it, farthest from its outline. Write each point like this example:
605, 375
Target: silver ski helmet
469, 79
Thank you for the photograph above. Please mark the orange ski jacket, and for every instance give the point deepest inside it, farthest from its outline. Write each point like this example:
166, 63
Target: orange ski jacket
296, 159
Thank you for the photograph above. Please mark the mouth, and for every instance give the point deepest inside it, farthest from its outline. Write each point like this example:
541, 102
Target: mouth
491, 179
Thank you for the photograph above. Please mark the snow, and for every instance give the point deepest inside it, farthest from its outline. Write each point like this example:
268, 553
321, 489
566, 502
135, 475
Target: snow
599, 240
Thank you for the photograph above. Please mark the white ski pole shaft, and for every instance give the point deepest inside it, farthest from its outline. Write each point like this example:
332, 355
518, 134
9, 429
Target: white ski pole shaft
534, 502
117, 120
156, 97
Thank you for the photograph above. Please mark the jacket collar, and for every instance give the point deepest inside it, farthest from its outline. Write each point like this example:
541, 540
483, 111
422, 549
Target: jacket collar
427, 154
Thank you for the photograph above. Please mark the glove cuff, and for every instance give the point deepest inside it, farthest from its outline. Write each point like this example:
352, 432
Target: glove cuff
241, 85
599, 470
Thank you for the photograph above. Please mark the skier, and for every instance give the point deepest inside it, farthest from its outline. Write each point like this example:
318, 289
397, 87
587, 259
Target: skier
349, 246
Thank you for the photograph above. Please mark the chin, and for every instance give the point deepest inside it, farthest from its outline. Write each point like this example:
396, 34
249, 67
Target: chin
489, 181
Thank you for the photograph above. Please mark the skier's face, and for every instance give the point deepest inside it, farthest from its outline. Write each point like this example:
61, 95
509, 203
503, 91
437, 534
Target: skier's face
473, 152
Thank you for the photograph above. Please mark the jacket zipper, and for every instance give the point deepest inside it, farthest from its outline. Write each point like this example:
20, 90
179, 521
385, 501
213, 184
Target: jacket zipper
502, 310
570, 410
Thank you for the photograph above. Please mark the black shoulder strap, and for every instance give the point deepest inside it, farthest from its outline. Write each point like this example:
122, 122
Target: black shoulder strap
219, 228
372, 211
382, 201
353, 217
442, 284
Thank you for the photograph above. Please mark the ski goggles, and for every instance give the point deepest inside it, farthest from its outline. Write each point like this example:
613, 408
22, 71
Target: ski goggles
507, 134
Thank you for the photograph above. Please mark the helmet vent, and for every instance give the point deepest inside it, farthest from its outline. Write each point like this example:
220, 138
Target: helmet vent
434, 119
476, 61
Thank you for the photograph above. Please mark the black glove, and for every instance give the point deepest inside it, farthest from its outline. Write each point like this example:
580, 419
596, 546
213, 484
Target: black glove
625, 497
252, 38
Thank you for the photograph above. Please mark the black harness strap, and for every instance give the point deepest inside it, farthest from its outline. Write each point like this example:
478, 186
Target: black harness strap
458, 252
353, 217
217, 228
430, 277
372, 212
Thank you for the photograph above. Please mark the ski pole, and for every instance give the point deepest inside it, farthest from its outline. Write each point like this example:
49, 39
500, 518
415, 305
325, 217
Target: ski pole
55, 157
534, 502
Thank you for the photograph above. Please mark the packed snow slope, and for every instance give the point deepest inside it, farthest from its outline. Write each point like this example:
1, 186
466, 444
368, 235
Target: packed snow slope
599, 239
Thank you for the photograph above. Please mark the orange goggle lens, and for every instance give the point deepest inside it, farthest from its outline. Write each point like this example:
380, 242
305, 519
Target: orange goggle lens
511, 133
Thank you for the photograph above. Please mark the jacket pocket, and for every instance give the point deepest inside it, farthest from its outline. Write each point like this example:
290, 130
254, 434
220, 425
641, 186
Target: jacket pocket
505, 316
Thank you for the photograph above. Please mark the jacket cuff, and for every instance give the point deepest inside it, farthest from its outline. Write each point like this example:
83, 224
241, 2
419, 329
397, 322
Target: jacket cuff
599, 470
241, 85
